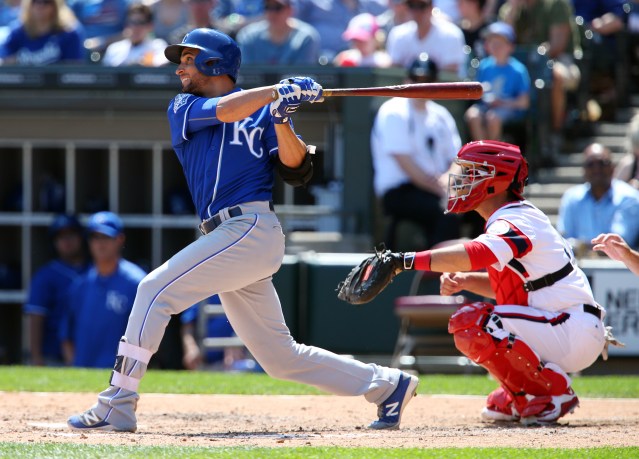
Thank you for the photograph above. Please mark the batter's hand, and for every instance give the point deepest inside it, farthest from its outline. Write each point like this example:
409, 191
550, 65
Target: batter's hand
287, 103
451, 283
311, 90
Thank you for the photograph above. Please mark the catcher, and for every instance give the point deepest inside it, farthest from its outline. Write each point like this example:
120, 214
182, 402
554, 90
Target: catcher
544, 323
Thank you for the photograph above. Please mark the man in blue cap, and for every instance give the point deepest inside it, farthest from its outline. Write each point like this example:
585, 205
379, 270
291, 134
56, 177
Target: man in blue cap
101, 300
45, 304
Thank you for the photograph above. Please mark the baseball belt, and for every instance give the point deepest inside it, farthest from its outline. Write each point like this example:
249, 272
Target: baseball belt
216, 220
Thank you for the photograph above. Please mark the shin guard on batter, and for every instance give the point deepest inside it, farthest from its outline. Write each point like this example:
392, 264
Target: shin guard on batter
127, 358
510, 360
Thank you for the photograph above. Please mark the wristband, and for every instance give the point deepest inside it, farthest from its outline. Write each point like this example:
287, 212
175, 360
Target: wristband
422, 260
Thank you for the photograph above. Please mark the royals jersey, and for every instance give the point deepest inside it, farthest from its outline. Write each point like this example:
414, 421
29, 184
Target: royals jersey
224, 163
527, 248
99, 308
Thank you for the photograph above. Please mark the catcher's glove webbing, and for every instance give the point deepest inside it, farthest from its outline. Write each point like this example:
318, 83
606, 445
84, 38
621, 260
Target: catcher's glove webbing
367, 280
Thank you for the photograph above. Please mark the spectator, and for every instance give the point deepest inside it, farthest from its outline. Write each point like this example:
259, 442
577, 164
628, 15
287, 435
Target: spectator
601, 21
235, 14
616, 248
472, 22
47, 33
103, 21
137, 47
600, 205
46, 298
414, 143
442, 40
331, 19
200, 15
100, 301
168, 16
363, 35
9, 13
550, 25
506, 86
397, 13
447, 9
628, 168
279, 38
228, 358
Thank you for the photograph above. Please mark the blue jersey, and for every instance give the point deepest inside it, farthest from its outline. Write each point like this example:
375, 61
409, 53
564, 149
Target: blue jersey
51, 48
224, 163
47, 297
99, 309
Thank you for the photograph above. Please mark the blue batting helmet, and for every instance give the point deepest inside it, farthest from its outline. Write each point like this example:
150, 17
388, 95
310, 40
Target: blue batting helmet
219, 54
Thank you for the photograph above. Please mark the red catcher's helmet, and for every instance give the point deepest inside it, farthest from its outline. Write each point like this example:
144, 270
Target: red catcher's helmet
488, 167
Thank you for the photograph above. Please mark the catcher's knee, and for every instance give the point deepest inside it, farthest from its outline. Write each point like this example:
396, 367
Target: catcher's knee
467, 326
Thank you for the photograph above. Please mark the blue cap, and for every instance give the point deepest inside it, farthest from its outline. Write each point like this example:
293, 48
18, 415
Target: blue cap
106, 223
500, 28
63, 222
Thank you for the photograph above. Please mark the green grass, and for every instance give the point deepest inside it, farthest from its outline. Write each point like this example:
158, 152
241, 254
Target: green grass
72, 451
33, 379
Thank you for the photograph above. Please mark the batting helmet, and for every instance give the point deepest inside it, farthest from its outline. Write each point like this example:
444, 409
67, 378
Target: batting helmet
488, 167
219, 54
423, 69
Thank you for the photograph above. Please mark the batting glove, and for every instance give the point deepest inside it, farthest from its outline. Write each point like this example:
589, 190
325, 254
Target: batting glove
288, 101
311, 90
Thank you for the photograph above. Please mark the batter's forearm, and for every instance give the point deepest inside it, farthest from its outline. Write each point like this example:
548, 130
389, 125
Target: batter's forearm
291, 149
239, 105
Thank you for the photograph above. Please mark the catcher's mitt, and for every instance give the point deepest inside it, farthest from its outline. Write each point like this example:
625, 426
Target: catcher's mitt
367, 280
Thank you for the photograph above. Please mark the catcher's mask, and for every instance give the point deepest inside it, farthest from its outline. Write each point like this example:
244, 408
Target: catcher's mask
488, 167
219, 54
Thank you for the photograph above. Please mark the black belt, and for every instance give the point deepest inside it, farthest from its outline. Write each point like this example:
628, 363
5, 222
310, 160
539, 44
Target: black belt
548, 279
216, 220
594, 310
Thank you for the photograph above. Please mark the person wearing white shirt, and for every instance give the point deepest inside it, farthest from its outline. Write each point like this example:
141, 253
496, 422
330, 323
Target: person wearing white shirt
442, 40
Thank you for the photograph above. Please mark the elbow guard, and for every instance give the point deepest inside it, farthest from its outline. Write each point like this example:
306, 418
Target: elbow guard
298, 176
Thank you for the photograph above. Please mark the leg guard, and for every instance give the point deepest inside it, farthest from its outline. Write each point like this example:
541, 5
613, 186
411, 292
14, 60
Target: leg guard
510, 360
128, 356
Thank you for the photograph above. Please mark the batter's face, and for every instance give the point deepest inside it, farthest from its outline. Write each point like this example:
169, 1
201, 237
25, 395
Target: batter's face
193, 81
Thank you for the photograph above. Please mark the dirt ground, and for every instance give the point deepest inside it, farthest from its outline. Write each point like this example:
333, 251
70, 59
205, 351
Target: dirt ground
288, 421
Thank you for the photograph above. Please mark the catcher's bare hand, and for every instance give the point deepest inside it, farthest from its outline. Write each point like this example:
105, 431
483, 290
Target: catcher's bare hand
451, 283
372, 275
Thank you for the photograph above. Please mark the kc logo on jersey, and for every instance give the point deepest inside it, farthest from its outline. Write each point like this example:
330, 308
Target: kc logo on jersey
240, 127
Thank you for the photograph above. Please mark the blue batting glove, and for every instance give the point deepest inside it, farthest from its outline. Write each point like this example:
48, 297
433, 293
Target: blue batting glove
311, 90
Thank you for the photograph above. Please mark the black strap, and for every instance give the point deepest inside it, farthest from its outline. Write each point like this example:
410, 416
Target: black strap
594, 310
548, 279
209, 225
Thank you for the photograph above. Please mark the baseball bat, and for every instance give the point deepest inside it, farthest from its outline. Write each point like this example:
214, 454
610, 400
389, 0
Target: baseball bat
454, 90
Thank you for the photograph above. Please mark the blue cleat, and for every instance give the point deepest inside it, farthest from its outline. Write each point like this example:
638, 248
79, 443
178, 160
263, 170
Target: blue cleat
91, 421
390, 412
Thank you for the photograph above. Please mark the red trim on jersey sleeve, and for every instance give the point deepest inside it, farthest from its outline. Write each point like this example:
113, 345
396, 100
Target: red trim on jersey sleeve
422, 260
479, 254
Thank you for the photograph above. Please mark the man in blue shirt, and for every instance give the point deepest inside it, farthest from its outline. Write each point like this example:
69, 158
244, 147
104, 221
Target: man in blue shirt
46, 300
601, 205
101, 300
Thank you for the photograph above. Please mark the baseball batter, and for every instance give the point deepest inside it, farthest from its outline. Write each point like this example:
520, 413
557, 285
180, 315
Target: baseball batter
545, 323
229, 142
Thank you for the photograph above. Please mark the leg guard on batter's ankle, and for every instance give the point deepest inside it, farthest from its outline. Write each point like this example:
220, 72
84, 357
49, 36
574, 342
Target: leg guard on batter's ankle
510, 360
128, 356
